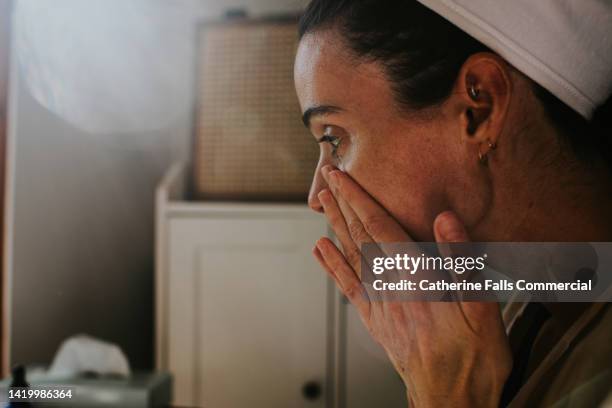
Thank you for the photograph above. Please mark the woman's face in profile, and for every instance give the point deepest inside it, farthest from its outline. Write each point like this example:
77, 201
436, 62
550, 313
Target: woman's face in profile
402, 160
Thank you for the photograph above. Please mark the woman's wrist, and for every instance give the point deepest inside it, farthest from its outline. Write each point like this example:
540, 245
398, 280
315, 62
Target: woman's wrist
474, 393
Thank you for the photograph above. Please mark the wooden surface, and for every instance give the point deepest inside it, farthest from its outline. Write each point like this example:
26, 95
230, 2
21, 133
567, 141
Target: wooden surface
5, 29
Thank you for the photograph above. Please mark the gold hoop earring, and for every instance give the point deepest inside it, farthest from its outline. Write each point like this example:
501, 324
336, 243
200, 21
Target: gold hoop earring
482, 158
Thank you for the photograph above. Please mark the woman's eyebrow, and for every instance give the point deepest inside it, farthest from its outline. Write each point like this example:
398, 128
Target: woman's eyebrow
318, 111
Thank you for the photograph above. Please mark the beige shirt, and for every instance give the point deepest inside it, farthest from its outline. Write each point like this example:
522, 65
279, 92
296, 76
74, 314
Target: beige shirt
570, 364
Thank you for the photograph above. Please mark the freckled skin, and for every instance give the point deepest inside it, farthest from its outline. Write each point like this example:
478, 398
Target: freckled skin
419, 164
402, 160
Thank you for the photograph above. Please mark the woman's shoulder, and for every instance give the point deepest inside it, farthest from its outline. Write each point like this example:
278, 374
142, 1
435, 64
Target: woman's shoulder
581, 375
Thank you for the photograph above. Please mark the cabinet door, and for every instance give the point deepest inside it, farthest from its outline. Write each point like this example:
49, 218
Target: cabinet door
247, 311
371, 380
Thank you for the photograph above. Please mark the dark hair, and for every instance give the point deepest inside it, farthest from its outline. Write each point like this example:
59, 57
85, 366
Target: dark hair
422, 53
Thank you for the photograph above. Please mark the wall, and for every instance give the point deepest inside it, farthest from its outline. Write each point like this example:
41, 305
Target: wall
5, 47
81, 230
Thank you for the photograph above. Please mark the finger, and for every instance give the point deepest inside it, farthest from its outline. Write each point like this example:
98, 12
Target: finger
450, 234
352, 223
448, 228
356, 229
319, 257
351, 234
336, 220
376, 221
346, 279
358, 234
321, 261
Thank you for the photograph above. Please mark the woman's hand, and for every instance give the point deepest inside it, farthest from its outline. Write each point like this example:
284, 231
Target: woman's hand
448, 353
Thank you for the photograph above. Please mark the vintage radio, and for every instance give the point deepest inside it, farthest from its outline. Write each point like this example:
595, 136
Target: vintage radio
250, 143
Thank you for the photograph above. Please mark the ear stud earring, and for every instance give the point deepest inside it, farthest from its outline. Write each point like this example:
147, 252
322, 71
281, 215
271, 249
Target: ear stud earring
483, 157
473, 92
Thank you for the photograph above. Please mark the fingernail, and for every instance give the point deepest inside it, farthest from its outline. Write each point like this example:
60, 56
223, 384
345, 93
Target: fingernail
450, 228
324, 196
334, 175
325, 171
319, 245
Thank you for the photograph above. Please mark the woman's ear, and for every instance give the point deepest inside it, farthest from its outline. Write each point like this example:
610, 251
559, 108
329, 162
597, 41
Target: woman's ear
484, 89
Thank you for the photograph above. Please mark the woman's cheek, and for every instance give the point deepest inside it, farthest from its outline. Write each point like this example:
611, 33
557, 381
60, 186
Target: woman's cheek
348, 160
361, 167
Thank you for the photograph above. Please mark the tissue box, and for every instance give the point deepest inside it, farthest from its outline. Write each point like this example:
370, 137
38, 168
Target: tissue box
139, 390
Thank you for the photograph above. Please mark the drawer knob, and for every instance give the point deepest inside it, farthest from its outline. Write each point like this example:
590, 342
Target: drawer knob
311, 390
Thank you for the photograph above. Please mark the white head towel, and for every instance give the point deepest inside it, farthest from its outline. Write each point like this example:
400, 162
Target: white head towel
563, 45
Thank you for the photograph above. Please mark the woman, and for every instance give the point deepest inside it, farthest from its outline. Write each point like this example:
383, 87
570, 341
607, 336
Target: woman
427, 134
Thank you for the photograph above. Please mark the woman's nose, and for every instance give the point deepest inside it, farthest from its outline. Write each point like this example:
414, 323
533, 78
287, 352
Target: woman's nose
318, 184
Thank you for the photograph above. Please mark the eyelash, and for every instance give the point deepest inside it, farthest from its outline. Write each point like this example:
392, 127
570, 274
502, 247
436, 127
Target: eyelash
334, 142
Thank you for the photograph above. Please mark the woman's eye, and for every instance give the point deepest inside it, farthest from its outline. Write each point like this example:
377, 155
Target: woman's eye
333, 141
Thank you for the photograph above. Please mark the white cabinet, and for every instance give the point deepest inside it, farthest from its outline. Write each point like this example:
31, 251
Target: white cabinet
245, 317
242, 304
250, 326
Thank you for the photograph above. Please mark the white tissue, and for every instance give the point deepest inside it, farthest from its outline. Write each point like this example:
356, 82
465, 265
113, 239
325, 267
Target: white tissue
84, 353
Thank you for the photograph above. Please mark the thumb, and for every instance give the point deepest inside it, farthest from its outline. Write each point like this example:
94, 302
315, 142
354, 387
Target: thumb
449, 228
